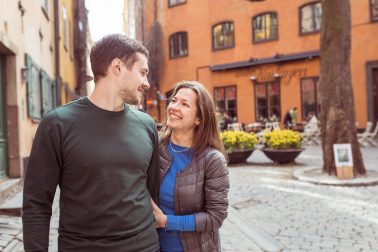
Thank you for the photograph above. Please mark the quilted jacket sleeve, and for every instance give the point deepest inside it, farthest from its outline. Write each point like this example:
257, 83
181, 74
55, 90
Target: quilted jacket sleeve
216, 186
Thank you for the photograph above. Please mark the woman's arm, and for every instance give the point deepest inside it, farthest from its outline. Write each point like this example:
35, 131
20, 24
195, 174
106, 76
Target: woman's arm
173, 222
216, 186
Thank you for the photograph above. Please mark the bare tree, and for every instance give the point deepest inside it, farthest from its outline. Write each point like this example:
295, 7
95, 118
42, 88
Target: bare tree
337, 115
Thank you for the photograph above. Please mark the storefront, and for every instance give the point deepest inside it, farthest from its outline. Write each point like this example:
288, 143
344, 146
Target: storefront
263, 90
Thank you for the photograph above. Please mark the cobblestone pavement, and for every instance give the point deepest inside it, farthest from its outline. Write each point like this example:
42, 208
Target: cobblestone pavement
299, 215
304, 216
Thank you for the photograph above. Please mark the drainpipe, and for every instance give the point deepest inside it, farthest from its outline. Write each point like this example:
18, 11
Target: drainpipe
197, 71
57, 59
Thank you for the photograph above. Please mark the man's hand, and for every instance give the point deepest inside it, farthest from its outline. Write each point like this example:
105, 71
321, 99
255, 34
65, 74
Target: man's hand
160, 217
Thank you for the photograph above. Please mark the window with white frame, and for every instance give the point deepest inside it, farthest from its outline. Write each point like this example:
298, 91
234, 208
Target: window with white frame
310, 18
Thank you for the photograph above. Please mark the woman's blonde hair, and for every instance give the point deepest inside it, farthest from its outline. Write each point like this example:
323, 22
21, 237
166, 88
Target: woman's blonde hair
207, 133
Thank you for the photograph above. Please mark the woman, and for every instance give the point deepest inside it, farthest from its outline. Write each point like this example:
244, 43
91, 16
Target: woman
193, 173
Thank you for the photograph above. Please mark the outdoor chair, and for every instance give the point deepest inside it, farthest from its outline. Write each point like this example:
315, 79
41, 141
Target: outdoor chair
369, 136
235, 126
311, 132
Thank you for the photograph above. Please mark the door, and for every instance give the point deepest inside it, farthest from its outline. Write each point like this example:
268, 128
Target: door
375, 94
3, 140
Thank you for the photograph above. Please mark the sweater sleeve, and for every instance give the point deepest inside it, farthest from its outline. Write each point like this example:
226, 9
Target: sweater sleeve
181, 223
153, 169
216, 188
41, 179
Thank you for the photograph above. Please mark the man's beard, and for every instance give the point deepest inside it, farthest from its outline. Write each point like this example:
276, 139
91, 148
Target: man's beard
131, 98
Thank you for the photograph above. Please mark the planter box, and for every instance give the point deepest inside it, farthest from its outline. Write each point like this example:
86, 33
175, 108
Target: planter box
282, 156
344, 172
237, 157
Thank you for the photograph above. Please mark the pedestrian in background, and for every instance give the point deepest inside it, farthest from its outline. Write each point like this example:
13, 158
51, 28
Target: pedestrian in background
290, 118
103, 155
193, 173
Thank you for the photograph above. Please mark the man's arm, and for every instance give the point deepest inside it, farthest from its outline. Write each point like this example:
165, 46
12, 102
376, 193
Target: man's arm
153, 169
41, 179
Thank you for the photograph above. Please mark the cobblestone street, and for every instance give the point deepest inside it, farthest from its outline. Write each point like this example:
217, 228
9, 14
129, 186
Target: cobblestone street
271, 211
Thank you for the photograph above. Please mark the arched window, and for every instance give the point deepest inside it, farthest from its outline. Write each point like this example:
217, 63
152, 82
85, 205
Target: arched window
265, 27
178, 44
310, 18
223, 35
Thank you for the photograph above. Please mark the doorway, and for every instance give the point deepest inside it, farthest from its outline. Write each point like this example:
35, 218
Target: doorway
3, 140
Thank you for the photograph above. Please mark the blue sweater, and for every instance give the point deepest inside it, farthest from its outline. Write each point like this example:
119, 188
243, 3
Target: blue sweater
170, 238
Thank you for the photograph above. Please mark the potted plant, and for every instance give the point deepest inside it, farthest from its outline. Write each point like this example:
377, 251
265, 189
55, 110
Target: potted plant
282, 146
239, 145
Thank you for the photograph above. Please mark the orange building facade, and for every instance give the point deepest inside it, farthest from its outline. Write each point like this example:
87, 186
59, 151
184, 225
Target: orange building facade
258, 59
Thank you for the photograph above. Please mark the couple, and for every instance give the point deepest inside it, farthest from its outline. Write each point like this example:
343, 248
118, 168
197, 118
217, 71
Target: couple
115, 187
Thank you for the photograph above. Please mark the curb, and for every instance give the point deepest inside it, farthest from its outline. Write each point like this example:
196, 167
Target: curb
261, 239
316, 176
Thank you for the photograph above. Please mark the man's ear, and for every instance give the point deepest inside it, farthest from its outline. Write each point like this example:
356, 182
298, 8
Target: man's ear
115, 66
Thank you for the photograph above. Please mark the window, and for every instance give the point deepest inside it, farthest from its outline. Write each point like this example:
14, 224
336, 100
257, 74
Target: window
175, 2
309, 88
34, 90
310, 18
265, 27
48, 93
178, 44
40, 90
267, 98
45, 7
64, 16
223, 35
225, 100
374, 10
70, 40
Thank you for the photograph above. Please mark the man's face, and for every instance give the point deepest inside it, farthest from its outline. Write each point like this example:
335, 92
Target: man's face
133, 82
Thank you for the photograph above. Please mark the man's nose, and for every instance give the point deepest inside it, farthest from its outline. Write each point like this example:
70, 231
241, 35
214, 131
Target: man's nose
146, 84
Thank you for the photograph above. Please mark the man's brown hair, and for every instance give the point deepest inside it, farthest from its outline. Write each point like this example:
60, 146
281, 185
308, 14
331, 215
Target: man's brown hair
207, 133
111, 47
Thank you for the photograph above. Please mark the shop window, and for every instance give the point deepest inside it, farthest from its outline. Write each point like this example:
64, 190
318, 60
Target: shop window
223, 35
374, 10
265, 27
175, 2
178, 44
310, 18
225, 100
309, 96
267, 97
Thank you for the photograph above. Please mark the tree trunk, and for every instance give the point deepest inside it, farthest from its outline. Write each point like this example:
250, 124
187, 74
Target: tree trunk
337, 115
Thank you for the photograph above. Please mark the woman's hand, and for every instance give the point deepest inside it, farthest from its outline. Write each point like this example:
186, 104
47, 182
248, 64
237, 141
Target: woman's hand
160, 217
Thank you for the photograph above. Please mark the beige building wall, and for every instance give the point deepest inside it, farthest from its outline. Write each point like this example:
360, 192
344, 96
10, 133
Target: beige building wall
25, 28
67, 66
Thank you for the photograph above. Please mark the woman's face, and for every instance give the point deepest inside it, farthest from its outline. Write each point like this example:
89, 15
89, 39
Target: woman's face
182, 111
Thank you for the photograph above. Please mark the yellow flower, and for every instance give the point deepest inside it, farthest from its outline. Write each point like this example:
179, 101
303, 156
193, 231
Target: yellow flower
282, 139
238, 140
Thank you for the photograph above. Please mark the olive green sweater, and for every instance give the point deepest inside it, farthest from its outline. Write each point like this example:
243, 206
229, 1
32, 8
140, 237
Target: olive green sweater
106, 165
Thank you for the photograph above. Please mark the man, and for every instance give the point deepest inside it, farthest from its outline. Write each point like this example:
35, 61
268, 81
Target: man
290, 118
104, 157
